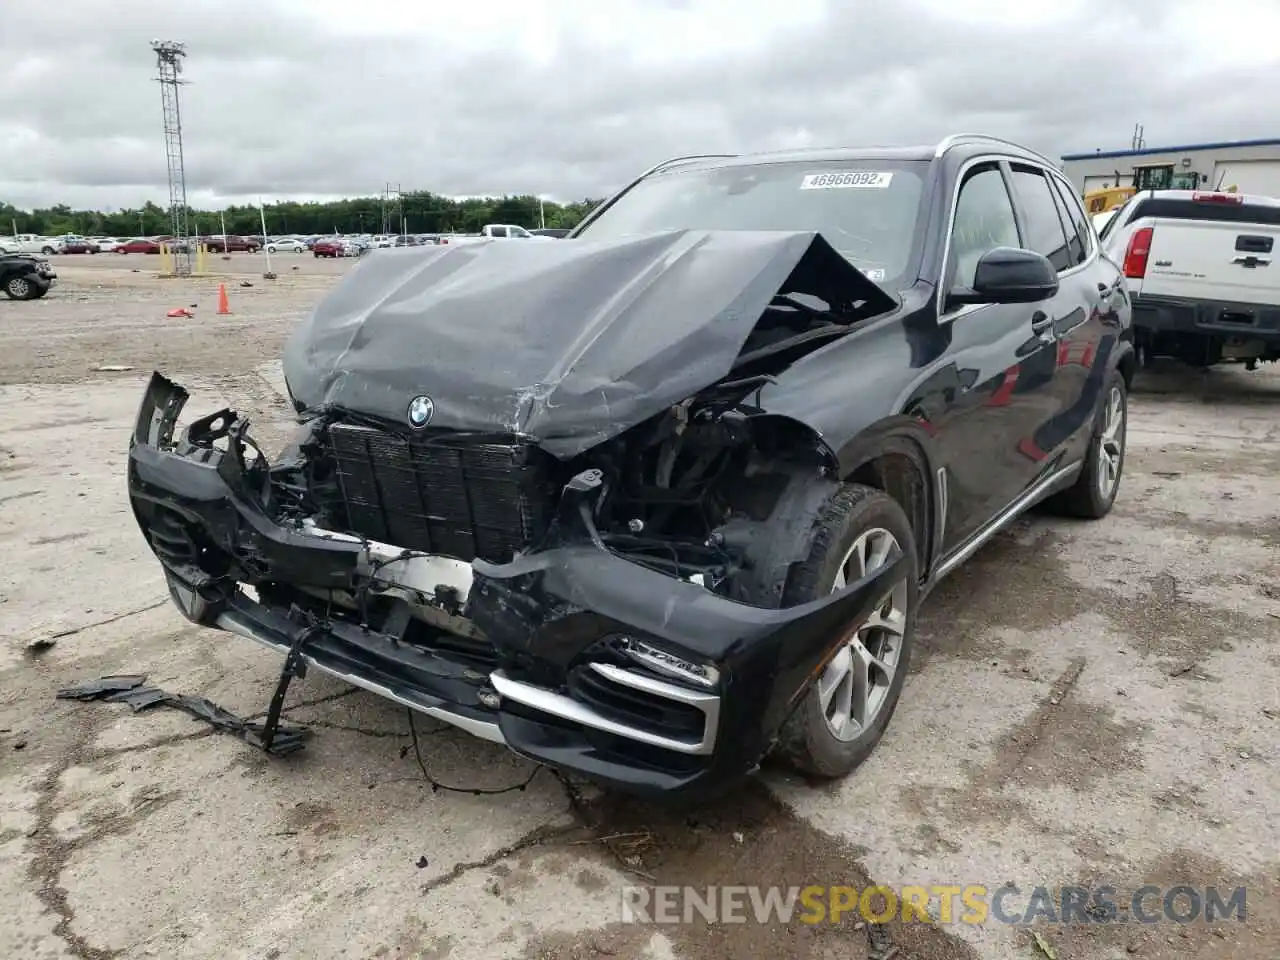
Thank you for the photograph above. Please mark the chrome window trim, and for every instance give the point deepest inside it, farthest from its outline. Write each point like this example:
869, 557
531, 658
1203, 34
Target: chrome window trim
1043, 167
941, 296
1079, 205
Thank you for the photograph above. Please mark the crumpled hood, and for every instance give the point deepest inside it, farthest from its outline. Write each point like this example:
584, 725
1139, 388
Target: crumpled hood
569, 343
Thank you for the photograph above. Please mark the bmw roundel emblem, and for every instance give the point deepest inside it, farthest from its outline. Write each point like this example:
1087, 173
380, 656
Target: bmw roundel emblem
421, 410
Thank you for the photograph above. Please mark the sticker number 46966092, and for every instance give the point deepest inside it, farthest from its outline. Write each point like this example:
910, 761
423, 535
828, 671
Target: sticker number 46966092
845, 180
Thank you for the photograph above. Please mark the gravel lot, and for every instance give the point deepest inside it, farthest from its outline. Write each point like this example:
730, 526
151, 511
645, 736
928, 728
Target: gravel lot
1095, 703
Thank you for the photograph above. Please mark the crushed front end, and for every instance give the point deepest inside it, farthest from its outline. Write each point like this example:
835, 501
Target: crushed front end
609, 614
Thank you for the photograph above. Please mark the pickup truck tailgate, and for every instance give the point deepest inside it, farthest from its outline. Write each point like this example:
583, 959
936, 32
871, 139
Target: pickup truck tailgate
1214, 260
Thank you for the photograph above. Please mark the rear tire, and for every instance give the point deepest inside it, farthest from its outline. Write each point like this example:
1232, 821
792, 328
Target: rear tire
819, 739
1094, 492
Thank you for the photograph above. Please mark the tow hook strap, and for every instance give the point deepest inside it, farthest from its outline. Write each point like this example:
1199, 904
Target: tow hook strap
294, 666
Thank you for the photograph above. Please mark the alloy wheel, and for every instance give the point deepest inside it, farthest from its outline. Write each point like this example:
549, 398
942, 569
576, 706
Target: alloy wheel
1111, 443
19, 287
854, 687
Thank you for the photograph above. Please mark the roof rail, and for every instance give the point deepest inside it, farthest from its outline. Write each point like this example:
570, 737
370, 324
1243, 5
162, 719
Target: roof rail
955, 139
692, 156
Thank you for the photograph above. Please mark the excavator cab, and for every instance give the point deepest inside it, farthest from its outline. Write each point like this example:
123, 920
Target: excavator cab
1162, 177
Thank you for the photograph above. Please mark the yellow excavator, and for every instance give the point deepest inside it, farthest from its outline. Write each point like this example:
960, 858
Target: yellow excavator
1153, 176
1108, 198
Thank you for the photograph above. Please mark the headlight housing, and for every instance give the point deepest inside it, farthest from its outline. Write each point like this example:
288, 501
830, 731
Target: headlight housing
666, 663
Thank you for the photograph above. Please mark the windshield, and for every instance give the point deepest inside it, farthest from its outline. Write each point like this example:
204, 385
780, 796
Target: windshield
866, 209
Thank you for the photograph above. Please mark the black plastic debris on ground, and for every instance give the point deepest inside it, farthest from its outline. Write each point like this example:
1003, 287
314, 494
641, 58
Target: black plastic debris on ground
132, 689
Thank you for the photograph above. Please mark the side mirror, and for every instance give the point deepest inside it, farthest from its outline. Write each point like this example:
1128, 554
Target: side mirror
1009, 275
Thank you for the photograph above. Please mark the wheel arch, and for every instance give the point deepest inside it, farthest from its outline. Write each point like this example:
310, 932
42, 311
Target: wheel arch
896, 456
1127, 364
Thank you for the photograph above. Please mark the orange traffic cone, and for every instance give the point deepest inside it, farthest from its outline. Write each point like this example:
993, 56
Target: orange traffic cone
223, 305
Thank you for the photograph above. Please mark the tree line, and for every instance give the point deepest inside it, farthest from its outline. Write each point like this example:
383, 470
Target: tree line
410, 213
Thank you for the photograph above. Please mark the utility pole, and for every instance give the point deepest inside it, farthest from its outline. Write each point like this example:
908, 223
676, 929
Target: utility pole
169, 57
392, 209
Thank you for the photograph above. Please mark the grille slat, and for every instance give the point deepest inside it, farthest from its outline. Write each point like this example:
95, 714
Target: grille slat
449, 496
646, 711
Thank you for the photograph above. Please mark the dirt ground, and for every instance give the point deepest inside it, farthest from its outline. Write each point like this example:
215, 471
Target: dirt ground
1095, 704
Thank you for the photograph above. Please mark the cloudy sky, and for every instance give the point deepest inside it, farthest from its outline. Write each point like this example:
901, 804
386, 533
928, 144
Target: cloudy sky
321, 98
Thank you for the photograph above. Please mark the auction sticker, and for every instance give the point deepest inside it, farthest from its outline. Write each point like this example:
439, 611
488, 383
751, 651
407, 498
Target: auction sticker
846, 179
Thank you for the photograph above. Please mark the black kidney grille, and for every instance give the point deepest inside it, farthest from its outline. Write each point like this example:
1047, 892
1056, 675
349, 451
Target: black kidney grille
447, 496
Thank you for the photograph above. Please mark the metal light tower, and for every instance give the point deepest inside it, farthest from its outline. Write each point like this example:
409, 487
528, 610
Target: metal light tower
169, 57
392, 209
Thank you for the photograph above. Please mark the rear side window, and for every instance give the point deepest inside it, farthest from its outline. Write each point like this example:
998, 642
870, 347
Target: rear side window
1043, 229
1170, 208
1075, 244
1077, 219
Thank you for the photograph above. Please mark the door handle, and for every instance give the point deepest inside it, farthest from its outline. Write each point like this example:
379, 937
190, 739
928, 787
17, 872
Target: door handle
1042, 325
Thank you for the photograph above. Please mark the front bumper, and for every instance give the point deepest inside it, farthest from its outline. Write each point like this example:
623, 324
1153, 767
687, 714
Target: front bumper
562, 623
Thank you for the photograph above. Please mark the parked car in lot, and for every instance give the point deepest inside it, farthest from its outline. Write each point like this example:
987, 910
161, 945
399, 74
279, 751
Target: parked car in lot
28, 243
78, 245
25, 276
286, 245
221, 244
139, 245
741, 426
331, 247
1201, 267
107, 244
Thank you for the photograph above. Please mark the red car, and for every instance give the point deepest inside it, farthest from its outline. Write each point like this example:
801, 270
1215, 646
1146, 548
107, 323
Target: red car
139, 246
330, 247
231, 244
79, 246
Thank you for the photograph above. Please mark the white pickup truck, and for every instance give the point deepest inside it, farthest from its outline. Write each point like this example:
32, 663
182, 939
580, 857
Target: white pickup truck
30, 243
493, 231
1201, 271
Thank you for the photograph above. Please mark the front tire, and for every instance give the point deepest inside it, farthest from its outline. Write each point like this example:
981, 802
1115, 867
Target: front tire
1094, 492
844, 714
21, 288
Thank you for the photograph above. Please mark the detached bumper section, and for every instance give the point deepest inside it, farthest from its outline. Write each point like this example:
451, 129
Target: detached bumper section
595, 664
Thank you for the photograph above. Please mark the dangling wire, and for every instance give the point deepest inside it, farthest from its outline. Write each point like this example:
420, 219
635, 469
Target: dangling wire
362, 596
436, 785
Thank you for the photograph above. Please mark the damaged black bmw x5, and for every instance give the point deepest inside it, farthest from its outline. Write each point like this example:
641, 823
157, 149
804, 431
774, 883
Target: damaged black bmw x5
653, 501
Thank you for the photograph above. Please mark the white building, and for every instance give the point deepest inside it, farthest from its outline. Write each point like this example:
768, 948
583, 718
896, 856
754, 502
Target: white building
1248, 166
